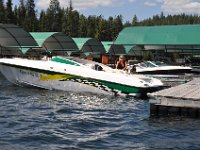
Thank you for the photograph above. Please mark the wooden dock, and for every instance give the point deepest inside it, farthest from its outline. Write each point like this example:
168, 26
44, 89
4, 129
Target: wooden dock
182, 100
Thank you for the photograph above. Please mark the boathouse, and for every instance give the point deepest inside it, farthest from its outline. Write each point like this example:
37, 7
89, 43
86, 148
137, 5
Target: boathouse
15, 41
113, 49
181, 39
90, 45
56, 42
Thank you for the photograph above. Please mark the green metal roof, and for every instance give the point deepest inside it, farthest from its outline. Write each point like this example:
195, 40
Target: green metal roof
81, 41
133, 50
55, 41
160, 35
113, 49
40, 37
24, 50
107, 45
89, 45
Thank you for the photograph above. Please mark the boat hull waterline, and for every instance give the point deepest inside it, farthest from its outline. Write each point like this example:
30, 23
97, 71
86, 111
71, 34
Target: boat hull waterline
53, 80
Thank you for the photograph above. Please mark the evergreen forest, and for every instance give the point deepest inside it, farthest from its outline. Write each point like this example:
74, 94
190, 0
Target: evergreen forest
71, 22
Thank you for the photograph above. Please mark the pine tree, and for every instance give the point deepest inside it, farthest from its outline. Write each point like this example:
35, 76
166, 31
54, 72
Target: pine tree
55, 15
75, 23
102, 29
15, 14
72, 18
135, 21
42, 21
110, 30
9, 12
117, 26
21, 13
64, 20
30, 18
2, 11
82, 31
92, 26
69, 23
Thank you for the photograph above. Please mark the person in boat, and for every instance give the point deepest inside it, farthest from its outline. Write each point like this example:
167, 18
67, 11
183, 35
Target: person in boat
121, 63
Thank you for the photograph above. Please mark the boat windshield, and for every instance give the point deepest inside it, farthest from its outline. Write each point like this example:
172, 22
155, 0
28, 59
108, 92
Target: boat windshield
88, 62
78, 61
152, 64
148, 64
160, 63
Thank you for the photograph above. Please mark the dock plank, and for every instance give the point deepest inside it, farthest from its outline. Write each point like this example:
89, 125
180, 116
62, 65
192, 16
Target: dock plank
190, 90
195, 94
186, 91
166, 91
184, 100
172, 91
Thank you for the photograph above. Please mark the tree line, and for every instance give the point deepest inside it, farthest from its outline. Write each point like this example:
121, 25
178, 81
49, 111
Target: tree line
71, 22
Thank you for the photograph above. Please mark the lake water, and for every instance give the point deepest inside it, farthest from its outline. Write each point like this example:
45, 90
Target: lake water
41, 119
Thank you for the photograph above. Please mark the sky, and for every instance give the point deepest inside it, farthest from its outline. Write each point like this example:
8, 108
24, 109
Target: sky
127, 8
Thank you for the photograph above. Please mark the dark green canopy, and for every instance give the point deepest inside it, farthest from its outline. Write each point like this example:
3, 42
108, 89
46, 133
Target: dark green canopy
113, 49
15, 39
55, 41
90, 45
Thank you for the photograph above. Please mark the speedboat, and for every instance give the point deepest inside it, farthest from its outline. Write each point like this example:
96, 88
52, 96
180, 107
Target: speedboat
76, 75
150, 67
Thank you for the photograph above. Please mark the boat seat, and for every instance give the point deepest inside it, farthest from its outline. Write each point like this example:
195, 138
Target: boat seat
95, 67
98, 67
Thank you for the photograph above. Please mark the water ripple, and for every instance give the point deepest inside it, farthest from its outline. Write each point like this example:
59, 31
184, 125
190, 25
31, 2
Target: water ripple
41, 119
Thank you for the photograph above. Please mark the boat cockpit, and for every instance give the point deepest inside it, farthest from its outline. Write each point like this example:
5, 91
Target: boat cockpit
82, 62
